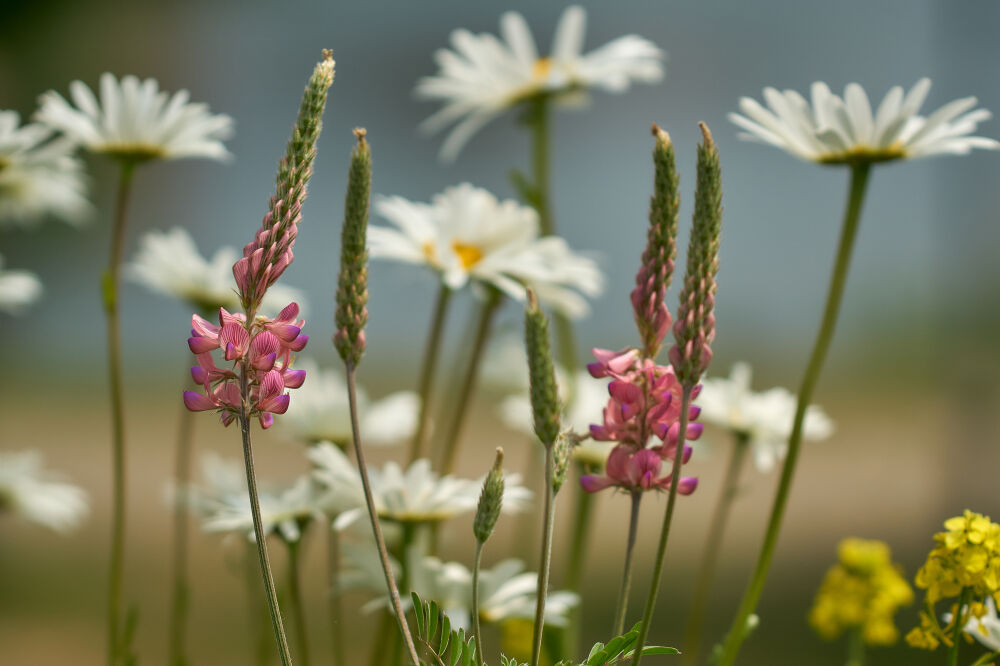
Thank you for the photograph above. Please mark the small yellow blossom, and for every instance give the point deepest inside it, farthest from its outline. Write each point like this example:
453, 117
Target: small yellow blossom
862, 591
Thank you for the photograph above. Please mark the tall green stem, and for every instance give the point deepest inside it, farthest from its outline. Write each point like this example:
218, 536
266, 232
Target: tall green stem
852, 216
333, 590
180, 595
713, 546
622, 607
856, 648
461, 407
109, 288
538, 119
258, 527
258, 616
959, 619
545, 558
390, 580
427, 368
295, 597
575, 560
476, 564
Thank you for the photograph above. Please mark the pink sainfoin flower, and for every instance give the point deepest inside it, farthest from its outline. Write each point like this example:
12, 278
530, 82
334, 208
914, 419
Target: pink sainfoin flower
643, 407
264, 352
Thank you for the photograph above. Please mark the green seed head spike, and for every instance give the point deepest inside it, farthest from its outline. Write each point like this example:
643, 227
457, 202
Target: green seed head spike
352, 286
545, 405
490, 501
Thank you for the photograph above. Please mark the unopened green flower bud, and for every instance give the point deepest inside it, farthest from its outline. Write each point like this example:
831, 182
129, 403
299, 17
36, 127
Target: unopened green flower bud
352, 286
490, 501
694, 329
545, 404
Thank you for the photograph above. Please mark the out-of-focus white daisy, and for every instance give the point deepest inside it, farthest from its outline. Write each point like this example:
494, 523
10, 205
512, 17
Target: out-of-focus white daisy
466, 234
37, 495
414, 495
484, 76
39, 175
168, 262
506, 591
835, 130
764, 419
136, 121
321, 411
18, 289
224, 505
506, 369
985, 629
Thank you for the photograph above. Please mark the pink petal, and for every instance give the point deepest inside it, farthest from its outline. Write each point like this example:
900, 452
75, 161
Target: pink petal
196, 402
294, 378
199, 345
592, 484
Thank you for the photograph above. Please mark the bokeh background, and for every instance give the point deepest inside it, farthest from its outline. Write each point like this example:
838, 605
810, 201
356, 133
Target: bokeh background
911, 381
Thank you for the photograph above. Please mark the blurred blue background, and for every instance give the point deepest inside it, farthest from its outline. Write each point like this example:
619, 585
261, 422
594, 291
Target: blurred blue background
914, 365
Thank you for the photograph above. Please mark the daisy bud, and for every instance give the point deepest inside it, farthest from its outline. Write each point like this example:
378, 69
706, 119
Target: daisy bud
544, 393
490, 500
352, 286
270, 252
651, 315
694, 329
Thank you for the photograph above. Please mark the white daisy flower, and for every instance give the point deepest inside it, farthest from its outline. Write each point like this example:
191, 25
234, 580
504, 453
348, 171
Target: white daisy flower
835, 130
18, 289
466, 234
764, 419
224, 505
39, 175
484, 76
505, 592
416, 495
321, 410
136, 121
985, 629
36, 495
168, 262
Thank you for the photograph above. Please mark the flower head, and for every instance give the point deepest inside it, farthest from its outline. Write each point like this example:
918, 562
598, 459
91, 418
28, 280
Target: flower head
262, 350
835, 130
18, 289
638, 470
39, 175
863, 591
320, 411
224, 506
37, 495
168, 262
136, 121
763, 419
484, 76
414, 495
465, 234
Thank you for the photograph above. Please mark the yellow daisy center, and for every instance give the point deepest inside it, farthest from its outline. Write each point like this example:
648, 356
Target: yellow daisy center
469, 255
542, 68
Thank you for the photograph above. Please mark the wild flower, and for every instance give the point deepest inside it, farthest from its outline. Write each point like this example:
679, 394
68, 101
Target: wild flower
862, 592
39, 175
843, 130
135, 121
168, 262
18, 289
467, 235
37, 495
763, 419
483, 76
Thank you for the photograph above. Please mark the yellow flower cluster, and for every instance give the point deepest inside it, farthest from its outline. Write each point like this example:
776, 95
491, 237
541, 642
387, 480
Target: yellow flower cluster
862, 591
964, 564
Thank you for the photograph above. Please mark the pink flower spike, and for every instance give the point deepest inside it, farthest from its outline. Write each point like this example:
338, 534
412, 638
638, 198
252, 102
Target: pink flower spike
196, 402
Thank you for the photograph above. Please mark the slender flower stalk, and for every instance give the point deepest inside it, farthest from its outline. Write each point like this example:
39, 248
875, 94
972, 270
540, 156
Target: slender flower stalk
852, 216
349, 340
956, 637
622, 606
576, 558
459, 410
856, 648
110, 283
713, 546
333, 569
694, 332
427, 368
546, 408
180, 596
295, 600
477, 630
